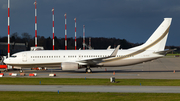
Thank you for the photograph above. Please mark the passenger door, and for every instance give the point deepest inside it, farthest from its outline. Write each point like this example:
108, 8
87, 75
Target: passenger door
24, 57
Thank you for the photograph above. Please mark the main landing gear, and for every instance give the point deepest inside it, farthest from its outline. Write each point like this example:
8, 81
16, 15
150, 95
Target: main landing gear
88, 70
21, 71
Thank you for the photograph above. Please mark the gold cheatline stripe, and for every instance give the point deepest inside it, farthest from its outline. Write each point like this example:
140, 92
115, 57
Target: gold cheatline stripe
143, 49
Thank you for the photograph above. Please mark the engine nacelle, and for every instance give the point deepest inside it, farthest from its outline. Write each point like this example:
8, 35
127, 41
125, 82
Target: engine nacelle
69, 66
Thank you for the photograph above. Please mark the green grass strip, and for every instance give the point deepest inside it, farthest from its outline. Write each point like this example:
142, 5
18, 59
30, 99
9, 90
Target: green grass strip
172, 54
87, 81
83, 96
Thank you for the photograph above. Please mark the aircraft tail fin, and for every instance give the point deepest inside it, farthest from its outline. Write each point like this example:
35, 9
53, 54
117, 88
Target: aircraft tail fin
158, 39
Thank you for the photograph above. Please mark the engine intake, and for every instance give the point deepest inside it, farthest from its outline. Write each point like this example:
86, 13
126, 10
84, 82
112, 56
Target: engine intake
69, 66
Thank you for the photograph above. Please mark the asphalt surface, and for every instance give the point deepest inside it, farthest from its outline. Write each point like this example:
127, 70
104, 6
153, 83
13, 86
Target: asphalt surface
72, 88
164, 68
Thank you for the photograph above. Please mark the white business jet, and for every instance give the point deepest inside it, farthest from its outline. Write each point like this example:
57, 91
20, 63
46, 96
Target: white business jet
152, 49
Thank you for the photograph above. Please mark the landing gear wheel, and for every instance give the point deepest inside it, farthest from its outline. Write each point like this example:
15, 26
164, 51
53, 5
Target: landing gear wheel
21, 71
88, 70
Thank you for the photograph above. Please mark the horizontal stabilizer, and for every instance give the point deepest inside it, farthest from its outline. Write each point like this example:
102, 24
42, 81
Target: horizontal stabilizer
165, 52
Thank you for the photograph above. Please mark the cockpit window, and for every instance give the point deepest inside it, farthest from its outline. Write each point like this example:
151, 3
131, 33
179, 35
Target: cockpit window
13, 56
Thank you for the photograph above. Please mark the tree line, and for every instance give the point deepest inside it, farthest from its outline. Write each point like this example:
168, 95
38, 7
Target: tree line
96, 42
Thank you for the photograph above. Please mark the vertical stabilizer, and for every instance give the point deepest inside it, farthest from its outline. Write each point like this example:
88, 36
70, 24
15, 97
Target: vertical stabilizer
157, 41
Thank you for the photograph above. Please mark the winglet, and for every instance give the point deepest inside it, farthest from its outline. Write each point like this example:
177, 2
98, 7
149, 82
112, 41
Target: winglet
115, 51
109, 47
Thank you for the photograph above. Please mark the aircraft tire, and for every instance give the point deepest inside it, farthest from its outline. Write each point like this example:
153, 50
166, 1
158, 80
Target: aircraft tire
88, 70
21, 71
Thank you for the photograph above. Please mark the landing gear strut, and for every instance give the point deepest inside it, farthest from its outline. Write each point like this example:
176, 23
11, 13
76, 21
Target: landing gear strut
21, 71
88, 70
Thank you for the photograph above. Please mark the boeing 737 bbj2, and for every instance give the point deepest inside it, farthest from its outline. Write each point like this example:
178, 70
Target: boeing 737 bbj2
152, 49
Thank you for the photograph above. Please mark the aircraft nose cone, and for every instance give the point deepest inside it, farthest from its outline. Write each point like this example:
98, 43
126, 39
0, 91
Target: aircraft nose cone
5, 61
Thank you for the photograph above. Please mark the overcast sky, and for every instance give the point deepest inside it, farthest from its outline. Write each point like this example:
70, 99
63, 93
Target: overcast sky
133, 20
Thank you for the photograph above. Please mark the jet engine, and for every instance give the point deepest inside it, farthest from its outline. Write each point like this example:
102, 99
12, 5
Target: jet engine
69, 66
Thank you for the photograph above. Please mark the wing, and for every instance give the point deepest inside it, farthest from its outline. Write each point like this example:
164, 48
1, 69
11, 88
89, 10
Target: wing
95, 61
109, 47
